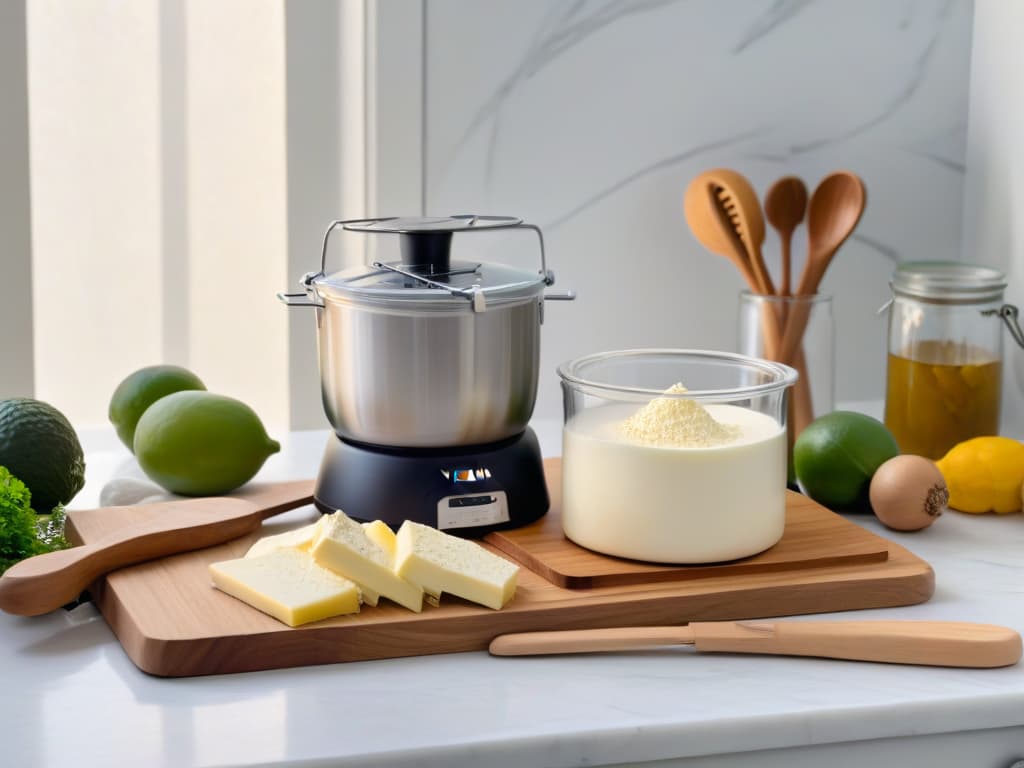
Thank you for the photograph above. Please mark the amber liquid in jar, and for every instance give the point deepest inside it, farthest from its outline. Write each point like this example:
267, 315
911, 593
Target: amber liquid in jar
939, 394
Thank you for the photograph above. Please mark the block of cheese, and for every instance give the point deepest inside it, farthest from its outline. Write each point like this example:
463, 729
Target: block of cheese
380, 533
301, 538
287, 584
443, 563
343, 546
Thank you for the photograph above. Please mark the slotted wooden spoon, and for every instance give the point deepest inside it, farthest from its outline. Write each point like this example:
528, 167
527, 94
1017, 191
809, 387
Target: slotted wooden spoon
705, 221
143, 532
726, 226
734, 197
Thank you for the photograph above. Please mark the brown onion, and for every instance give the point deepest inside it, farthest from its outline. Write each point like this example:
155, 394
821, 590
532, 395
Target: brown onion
908, 493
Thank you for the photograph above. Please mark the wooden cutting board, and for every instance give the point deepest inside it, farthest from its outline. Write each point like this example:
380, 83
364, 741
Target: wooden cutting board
172, 622
810, 540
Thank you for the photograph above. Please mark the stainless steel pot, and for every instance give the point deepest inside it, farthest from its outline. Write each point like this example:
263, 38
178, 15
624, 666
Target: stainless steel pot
426, 352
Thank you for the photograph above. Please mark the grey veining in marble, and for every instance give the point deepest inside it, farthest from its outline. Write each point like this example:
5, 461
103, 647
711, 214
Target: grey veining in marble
590, 117
779, 12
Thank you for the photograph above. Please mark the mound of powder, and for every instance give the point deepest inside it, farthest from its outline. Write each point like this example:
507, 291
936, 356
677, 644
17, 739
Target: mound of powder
676, 422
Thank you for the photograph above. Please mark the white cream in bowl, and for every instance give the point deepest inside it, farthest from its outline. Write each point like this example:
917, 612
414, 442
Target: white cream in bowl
642, 486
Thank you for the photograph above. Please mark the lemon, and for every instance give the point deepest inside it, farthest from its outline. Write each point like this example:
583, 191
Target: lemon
39, 446
984, 474
197, 443
836, 456
141, 389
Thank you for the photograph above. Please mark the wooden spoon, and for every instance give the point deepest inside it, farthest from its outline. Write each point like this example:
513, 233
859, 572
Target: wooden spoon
734, 197
834, 210
705, 222
717, 208
935, 643
785, 204
146, 531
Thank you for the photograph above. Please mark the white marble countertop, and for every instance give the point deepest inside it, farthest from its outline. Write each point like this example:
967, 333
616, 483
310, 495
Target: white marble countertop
72, 698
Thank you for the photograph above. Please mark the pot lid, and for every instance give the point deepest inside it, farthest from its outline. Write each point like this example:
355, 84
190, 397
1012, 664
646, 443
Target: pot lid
426, 278
464, 286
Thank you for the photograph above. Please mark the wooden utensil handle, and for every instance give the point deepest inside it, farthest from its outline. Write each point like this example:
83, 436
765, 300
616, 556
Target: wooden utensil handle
45, 582
589, 640
793, 332
938, 643
935, 643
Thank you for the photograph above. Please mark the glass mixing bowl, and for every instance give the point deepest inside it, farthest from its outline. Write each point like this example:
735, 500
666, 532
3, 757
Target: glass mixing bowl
661, 495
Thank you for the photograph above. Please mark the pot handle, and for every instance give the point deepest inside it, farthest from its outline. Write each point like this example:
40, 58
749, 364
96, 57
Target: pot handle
297, 300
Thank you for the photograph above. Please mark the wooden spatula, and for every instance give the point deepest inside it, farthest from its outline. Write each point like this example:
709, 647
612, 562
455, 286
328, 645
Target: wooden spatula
935, 643
143, 532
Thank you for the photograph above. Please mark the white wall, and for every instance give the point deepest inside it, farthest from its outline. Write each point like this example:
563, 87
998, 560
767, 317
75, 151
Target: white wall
17, 373
96, 197
590, 118
237, 201
994, 187
185, 157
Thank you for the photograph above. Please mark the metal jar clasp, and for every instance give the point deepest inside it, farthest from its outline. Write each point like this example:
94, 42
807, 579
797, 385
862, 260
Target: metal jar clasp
1008, 313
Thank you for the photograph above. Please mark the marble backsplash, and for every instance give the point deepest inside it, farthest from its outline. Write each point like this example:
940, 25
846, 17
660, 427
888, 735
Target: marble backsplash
589, 118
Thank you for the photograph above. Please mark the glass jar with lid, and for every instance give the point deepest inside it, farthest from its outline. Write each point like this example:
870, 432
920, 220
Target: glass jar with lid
944, 372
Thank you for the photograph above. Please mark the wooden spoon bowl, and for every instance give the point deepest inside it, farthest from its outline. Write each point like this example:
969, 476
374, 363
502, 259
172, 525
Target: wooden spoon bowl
704, 219
734, 197
834, 210
785, 204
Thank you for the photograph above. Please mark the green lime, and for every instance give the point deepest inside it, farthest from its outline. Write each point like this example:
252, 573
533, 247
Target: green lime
836, 456
143, 388
39, 446
197, 443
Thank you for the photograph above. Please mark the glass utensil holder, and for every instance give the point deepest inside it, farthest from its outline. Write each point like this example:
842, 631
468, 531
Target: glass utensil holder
762, 322
944, 367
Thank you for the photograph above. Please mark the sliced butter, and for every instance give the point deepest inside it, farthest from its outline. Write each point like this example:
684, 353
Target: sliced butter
380, 533
440, 562
302, 539
343, 546
287, 584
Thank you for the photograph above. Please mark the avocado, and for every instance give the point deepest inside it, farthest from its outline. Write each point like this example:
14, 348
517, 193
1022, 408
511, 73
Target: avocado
39, 446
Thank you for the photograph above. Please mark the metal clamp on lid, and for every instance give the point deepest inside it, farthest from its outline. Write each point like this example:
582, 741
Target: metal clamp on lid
473, 293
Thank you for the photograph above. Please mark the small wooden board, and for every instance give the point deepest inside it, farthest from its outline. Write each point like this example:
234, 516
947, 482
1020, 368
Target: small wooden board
172, 622
810, 540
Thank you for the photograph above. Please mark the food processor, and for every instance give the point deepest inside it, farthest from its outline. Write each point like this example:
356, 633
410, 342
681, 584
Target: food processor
429, 370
